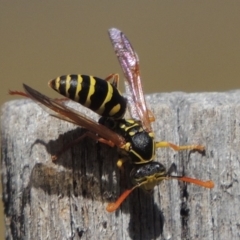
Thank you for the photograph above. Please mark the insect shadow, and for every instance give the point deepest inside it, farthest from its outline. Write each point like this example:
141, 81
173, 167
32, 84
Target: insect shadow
86, 160
146, 218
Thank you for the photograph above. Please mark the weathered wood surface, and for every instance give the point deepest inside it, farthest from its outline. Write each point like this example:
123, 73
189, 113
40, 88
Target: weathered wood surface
67, 199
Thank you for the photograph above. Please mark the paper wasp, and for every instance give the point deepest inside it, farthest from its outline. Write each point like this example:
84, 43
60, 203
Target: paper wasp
104, 98
148, 174
134, 137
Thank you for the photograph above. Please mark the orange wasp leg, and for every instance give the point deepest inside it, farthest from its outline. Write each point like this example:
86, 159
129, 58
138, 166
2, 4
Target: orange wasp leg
179, 148
87, 134
206, 184
113, 79
151, 116
111, 207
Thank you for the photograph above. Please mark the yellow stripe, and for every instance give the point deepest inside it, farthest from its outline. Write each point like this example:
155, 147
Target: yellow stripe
130, 121
122, 126
141, 160
131, 126
131, 134
107, 99
57, 83
151, 134
78, 88
115, 109
67, 84
91, 91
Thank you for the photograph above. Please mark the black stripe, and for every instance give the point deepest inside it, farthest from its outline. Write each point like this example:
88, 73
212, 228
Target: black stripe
53, 84
73, 86
85, 89
62, 85
99, 95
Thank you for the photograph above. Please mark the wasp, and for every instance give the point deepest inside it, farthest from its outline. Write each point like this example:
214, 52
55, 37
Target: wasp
145, 175
149, 173
104, 98
133, 137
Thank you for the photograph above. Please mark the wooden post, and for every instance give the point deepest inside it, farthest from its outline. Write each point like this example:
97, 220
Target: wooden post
67, 199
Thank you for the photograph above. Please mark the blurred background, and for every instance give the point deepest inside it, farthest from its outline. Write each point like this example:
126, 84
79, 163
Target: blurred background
190, 46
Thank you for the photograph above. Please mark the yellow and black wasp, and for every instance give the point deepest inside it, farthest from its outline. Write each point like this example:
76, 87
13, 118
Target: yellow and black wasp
133, 137
148, 173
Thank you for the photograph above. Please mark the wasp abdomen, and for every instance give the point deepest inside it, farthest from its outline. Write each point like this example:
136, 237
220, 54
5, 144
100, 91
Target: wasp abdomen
92, 92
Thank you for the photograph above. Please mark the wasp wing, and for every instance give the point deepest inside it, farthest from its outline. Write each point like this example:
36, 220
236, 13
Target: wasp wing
129, 62
69, 114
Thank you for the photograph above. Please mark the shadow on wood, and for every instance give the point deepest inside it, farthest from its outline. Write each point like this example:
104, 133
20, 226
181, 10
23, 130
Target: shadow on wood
67, 199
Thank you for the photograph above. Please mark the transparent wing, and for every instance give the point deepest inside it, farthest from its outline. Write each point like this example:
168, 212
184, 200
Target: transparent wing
129, 62
66, 113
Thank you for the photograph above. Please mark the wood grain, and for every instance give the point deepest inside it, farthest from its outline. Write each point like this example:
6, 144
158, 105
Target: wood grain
67, 199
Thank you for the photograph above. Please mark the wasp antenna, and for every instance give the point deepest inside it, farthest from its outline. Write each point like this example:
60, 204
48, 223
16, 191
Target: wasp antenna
207, 184
111, 207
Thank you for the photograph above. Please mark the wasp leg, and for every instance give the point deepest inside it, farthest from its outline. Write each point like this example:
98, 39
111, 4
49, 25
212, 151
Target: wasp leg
87, 134
179, 148
151, 116
113, 79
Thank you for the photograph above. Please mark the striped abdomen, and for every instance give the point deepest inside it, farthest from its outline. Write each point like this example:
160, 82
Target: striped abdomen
94, 93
